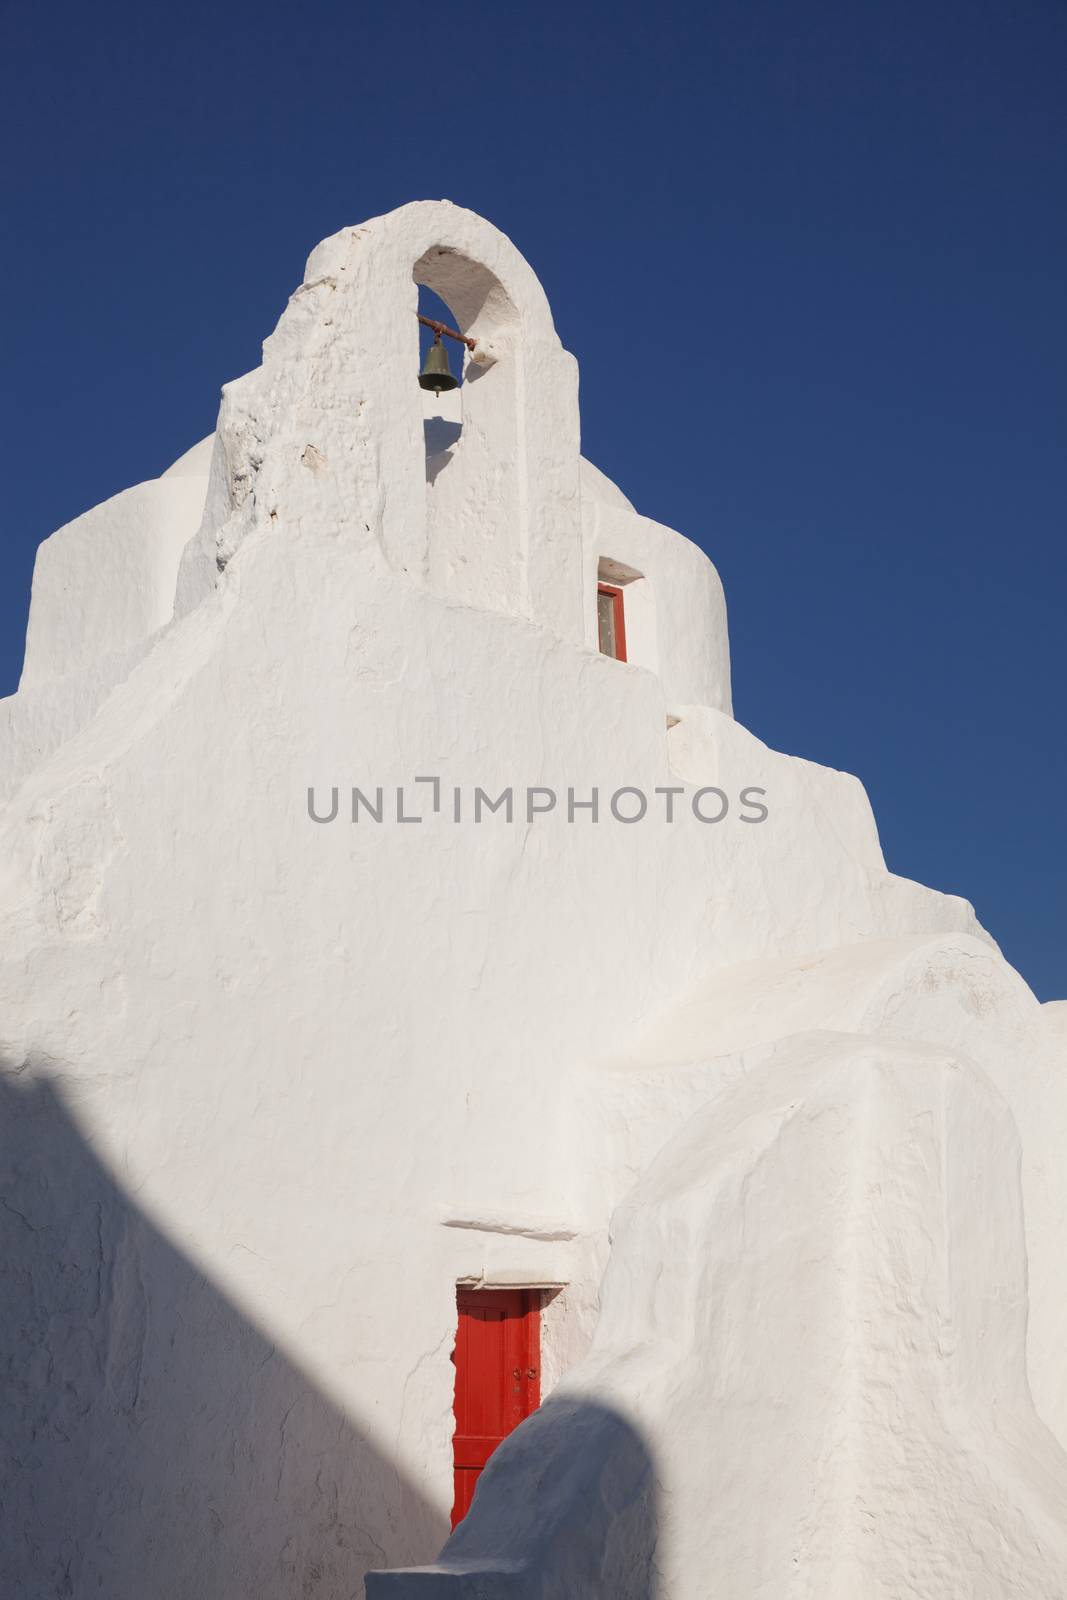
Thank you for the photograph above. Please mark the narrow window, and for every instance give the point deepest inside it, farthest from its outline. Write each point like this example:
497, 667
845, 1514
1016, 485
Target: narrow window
610, 621
498, 1377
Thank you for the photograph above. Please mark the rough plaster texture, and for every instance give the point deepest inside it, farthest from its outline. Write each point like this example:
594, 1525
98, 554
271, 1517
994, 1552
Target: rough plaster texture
273, 1086
829, 1353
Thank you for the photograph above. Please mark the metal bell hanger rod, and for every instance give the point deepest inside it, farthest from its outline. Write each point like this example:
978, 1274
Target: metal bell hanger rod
440, 328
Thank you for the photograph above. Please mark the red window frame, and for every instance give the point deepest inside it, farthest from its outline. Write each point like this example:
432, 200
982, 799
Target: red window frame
615, 592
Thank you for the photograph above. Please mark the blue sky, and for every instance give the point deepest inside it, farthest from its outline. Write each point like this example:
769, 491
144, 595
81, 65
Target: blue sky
811, 259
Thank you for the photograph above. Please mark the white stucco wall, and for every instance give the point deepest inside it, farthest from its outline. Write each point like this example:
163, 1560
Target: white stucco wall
780, 1269
274, 1086
106, 581
676, 617
103, 586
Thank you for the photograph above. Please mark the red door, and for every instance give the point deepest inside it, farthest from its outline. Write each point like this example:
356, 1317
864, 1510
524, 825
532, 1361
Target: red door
498, 1377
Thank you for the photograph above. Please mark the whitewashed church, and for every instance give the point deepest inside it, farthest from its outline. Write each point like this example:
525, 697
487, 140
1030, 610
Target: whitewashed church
454, 1076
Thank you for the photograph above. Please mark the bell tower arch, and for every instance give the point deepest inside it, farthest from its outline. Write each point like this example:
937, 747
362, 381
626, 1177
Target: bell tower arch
327, 435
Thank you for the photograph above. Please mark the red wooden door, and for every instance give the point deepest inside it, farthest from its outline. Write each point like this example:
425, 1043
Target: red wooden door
498, 1377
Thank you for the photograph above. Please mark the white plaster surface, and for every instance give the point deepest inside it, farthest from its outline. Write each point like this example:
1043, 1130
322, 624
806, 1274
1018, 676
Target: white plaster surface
194, 463
103, 586
106, 581
272, 1087
816, 1309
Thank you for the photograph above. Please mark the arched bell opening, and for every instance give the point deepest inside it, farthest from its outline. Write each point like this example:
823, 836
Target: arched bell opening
441, 373
469, 299
474, 455
479, 303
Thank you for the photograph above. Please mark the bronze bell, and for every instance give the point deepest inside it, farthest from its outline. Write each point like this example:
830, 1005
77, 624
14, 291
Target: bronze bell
436, 374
